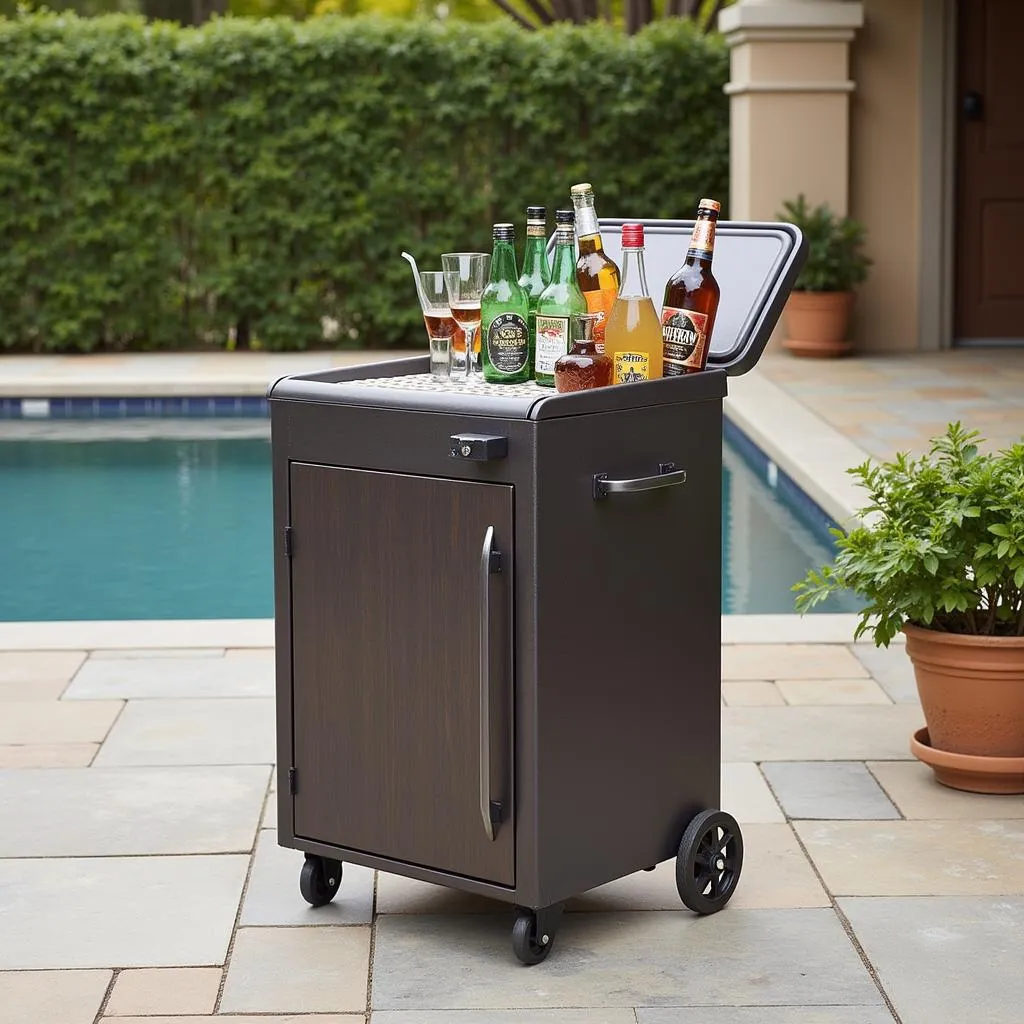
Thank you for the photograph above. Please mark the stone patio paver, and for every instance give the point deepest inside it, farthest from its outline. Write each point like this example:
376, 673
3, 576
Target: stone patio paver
827, 790
118, 911
38, 667
746, 796
162, 653
269, 818
45, 721
751, 694
99, 812
891, 668
945, 959
165, 990
790, 661
917, 858
920, 392
831, 692
272, 896
852, 733
590, 1016
39, 689
912, 788
767, 1015
47, 755
738, 957
298, 970
214, 730
171, 678
290, 1018
52, 997
777, 955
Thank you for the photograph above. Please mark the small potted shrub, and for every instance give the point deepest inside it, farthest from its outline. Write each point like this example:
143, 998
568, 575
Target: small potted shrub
939, 555
817, 313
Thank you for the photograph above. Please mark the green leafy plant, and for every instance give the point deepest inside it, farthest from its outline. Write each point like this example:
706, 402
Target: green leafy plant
253, 182
835, 260
942, 545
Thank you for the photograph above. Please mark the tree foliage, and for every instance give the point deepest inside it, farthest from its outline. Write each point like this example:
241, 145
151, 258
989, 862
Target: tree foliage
250, 181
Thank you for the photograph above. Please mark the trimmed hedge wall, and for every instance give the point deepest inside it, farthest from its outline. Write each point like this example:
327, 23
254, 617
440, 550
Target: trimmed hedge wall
248, 181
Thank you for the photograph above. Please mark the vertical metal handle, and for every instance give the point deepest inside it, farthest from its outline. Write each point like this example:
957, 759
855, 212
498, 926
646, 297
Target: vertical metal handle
490, 561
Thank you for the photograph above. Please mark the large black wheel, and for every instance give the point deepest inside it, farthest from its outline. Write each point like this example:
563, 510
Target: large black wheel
709, 861
529, 946
319, 880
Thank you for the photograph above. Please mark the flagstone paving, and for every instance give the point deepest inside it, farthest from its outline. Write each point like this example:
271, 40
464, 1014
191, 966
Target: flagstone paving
141, 879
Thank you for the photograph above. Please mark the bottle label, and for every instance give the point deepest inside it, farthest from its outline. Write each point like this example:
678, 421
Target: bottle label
508, 343
552, 342
631, 367
600, 301
702, 241
535, 230
684, 340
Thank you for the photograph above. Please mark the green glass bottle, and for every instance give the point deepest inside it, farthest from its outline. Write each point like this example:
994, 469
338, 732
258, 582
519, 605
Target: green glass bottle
536, 275
504, 313
557, 303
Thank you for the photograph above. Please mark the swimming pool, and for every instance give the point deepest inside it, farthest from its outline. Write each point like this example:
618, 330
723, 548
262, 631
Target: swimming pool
180, 528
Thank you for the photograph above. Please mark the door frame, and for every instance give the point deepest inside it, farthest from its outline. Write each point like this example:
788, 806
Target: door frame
937, 156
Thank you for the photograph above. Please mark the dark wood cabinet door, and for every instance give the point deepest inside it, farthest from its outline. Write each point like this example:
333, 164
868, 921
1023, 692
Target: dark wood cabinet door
990, 208
387, 609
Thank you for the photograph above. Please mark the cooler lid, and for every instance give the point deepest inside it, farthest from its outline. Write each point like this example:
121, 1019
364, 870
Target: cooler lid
756, 265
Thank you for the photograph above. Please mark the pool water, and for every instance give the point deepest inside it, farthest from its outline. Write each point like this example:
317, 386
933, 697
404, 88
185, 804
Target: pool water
182, 529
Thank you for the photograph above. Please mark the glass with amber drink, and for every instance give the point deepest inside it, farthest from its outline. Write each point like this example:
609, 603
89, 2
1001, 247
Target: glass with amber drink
465, 276
443, 332
583, 367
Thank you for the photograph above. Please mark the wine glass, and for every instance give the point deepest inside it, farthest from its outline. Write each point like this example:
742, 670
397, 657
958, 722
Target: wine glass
465, 277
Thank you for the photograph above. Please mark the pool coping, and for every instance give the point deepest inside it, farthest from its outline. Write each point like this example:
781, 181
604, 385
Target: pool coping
196, 634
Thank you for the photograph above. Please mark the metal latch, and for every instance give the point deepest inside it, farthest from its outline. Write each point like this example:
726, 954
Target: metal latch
478, 447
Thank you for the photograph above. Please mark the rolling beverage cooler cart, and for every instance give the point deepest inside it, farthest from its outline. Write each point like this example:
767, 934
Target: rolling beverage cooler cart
498, 615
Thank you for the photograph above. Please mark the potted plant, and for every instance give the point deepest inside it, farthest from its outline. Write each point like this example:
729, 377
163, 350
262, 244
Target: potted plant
939, 555
817, 313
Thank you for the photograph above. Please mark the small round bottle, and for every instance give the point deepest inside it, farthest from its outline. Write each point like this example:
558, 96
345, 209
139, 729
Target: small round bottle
583, 367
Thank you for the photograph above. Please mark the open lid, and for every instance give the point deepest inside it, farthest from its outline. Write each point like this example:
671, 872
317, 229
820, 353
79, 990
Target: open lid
756, 264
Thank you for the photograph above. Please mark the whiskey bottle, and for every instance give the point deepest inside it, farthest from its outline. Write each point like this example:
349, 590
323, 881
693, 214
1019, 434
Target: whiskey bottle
596, 273
691, 299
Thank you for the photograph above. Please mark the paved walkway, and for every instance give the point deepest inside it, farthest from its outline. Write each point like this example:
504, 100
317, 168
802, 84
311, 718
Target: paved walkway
895, 403
140, 879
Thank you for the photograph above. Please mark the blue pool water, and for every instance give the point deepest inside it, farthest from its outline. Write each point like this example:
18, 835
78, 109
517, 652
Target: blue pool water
181, 529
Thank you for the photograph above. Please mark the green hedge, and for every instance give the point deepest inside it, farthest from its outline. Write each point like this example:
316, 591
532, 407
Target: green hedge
238, 183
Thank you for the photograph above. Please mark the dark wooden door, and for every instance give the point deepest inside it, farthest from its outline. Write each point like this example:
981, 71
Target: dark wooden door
387, 604
990, 209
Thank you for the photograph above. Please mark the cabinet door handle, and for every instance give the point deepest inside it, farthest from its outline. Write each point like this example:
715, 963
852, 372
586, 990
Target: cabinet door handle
490, 562
668, 476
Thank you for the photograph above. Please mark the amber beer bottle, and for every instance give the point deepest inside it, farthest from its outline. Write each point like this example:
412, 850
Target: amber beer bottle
691, 300
596, 273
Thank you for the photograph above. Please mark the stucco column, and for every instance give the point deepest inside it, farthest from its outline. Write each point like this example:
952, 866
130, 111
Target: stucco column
789, 95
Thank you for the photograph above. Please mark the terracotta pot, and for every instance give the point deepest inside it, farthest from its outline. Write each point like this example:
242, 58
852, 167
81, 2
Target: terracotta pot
972, 695
816, 323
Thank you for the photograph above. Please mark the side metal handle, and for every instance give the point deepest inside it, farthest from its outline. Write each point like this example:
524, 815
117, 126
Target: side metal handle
490, 562
668, 476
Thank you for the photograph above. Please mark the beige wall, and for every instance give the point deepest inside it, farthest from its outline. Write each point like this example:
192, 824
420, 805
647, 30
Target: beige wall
885, 170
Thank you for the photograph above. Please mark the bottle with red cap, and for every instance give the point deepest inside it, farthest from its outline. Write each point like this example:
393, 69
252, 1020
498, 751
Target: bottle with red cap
632, 337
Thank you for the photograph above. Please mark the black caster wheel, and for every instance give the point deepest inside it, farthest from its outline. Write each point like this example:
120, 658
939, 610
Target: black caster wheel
709, 861
319, 880
527, 944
